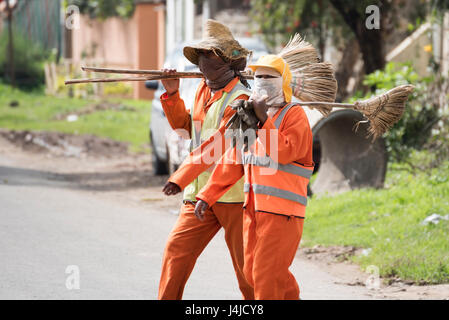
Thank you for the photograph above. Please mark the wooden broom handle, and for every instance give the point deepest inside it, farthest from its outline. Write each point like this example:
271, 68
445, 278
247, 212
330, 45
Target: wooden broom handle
333, 104
142, 72
178, 75
146, 72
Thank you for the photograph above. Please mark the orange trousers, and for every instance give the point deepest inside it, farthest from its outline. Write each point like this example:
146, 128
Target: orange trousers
188, 239
270, 244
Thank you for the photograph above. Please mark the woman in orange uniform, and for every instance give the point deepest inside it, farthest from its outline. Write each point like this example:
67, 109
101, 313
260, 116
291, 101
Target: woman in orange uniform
220, 58
277, 169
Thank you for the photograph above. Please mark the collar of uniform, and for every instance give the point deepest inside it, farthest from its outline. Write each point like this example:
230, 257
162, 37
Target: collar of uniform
218, 94
276, 115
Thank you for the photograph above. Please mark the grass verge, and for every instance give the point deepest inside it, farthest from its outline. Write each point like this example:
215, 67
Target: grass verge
38, 112
389, 222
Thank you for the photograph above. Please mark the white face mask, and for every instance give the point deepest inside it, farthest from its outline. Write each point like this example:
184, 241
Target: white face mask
272, 87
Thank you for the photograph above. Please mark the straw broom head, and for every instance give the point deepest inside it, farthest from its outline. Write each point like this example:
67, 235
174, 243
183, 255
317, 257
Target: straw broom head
299, 53
315, 82
385, 110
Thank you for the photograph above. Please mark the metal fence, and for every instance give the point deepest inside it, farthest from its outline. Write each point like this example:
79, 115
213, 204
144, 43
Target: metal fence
40, 22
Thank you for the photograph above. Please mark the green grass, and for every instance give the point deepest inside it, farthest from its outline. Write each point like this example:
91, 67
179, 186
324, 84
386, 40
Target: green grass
37, 112
389, 222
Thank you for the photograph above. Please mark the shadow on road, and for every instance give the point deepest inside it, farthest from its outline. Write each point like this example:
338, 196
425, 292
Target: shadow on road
93, 181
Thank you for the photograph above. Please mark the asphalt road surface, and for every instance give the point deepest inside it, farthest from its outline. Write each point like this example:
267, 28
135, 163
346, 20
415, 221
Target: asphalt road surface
53, 235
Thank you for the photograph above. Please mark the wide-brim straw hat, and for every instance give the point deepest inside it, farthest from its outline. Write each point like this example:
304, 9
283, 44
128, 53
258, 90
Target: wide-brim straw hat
218, 38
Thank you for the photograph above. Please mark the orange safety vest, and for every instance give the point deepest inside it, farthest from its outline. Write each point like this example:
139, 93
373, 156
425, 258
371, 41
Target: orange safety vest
282, 189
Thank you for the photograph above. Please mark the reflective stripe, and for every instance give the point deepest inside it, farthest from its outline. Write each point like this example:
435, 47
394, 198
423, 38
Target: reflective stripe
267, 162
275, 192
279, 119
238, 87
224, 100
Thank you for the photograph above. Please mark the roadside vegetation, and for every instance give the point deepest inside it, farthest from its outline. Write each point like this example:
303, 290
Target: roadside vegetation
117, 119
388, 224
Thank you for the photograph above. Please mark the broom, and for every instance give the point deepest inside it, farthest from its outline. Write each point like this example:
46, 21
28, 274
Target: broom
382, 111
312, 82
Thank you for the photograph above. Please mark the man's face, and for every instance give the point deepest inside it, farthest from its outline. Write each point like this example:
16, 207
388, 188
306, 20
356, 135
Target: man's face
212, 66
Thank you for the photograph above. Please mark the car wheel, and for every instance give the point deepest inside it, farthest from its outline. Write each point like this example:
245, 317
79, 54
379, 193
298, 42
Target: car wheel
160, 167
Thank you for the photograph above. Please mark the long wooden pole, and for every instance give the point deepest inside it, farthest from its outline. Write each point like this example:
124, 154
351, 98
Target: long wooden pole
151, 75
12, 73
145, 72
126, 79
141, 72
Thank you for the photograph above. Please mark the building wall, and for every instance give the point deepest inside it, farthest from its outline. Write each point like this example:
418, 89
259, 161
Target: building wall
417, 49
150, 39
445, 44
135, 43
111, 42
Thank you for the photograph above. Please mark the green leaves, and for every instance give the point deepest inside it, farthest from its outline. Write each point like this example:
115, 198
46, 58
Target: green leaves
413, 131
104, 9
28, 61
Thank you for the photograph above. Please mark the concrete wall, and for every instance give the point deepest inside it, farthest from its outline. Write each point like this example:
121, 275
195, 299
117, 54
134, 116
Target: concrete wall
136, 43
150, 39
445, 44
417, 48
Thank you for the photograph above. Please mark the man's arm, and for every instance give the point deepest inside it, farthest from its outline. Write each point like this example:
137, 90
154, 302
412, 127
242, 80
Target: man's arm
176, 113
173, 105
194, 164
227, 173
294, 141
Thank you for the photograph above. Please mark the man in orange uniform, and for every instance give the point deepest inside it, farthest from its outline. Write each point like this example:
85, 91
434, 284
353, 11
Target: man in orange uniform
220, 58
277, 169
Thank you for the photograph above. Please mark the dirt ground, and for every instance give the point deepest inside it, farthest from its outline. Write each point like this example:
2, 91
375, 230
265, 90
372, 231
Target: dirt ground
104, 168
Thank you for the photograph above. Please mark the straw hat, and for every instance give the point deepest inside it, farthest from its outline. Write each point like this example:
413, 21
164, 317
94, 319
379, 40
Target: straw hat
218, 38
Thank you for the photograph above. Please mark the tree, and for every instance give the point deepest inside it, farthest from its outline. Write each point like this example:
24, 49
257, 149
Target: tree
343, 19
10, 55
103, 9
371, 41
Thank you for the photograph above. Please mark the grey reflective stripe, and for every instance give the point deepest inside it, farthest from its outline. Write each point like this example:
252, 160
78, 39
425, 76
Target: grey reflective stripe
284, 111
197, 138
267, 162
197, 141
275, 192
237, 87
194, 143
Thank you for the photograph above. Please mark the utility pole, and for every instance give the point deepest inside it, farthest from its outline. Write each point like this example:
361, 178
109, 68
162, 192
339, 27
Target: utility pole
12, 76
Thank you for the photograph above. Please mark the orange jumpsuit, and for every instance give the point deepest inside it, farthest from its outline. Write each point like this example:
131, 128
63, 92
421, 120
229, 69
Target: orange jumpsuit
190, 236
270, 240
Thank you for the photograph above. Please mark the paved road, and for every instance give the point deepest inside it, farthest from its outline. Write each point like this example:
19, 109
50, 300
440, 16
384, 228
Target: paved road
47, 225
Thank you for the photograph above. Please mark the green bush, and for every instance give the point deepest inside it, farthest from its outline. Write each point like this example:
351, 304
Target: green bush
414, 129
28, 62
